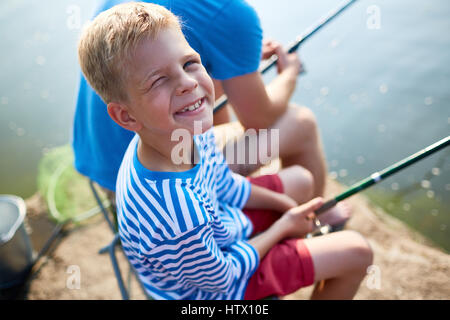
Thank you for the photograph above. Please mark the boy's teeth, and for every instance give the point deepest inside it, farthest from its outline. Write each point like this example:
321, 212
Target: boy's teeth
193, 107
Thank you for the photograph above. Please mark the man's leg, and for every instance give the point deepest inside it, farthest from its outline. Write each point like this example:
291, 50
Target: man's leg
298, 143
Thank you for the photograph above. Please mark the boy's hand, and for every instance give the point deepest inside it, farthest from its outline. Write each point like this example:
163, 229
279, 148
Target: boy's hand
298, 221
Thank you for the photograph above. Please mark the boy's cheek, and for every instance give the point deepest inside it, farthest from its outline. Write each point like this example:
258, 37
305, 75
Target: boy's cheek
208, 83
205, 124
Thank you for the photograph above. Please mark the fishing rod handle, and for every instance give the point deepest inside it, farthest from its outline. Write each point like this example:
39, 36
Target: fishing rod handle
326, 206
272, 61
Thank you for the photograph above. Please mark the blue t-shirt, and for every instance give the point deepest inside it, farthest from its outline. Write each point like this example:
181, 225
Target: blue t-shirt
228, 36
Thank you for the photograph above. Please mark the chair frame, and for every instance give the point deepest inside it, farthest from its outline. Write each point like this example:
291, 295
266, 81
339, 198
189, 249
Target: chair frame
111, 247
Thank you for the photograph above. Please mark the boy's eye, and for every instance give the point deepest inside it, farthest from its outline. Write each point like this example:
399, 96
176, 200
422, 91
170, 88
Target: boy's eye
190, 63
157, 82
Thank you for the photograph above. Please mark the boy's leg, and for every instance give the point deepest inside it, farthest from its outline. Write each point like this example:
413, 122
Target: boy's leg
298, 183
341, 259
294, 181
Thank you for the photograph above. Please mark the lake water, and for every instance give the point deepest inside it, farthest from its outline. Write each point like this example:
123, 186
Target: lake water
378, 80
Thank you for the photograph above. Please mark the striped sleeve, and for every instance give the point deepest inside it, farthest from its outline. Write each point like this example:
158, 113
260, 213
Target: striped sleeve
232, 188
194, 260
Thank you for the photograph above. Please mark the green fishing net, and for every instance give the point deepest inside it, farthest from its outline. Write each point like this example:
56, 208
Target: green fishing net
67, 193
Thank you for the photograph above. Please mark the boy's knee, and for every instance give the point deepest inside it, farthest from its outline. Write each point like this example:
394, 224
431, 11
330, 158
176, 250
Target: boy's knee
360, 250
306, 179
301, 180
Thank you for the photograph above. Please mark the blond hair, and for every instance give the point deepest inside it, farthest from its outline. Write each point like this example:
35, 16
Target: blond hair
108, 42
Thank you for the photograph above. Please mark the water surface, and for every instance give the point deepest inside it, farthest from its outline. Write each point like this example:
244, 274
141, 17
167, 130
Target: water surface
379, 89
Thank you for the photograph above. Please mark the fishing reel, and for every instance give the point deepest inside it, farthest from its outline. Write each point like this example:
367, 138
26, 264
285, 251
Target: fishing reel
320, 229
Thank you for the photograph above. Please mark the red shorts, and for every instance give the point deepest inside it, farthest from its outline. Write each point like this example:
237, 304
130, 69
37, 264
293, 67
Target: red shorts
288, 266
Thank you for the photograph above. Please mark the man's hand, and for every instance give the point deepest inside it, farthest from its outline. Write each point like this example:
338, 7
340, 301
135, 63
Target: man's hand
268, 48
256, 104
285, 60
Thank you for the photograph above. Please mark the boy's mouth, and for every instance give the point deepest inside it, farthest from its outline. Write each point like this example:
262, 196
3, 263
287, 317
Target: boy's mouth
191, 108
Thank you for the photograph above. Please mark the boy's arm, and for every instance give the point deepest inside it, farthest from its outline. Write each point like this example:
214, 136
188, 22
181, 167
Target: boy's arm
195, 259
263, 198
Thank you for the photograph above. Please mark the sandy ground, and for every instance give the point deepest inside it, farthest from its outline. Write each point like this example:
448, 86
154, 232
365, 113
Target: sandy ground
405, 265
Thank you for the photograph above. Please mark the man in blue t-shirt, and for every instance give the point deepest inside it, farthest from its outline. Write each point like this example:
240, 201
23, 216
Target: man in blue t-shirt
228, 36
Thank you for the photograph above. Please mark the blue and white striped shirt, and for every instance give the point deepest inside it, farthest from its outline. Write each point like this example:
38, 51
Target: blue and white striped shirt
184, 232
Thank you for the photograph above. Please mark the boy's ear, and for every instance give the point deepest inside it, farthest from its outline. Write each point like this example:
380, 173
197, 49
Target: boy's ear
119, 113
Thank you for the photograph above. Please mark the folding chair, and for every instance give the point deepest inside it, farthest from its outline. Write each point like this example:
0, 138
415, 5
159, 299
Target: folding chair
111, 247
103, 209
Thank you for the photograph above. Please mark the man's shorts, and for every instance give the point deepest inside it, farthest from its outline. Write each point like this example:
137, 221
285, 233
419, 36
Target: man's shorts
288, 266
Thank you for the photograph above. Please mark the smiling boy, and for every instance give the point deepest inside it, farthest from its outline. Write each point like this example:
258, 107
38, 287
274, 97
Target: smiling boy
181, 225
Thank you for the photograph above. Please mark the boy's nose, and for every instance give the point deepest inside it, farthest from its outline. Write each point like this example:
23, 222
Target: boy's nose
186, 84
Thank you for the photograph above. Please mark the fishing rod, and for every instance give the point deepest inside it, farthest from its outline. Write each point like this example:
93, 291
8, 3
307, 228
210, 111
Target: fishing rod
383, 174
222, 101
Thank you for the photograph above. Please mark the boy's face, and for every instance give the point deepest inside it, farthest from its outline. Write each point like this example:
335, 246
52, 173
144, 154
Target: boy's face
168, 87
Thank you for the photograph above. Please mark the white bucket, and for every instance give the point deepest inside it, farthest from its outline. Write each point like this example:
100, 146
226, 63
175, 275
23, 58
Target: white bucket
16, 252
